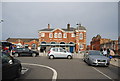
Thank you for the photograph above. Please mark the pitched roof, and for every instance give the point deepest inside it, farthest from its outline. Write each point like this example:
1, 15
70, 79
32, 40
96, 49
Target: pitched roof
23, 39
46, 29
81, 28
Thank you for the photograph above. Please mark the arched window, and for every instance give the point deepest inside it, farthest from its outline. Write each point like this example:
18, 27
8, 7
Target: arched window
65, 35
53, 42
81, 36
59, 35
62, 43
50, 35
81, 46
43, 42
55, 35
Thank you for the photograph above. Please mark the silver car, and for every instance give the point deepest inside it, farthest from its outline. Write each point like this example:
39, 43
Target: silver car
58, 52
96, 58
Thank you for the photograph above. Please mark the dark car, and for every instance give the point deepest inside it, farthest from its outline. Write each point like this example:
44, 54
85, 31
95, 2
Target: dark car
11, 68
24, 51
96, 58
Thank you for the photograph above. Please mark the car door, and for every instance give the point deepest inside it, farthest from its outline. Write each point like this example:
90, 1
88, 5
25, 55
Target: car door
26, 51
62, 52
8, 67
56, 52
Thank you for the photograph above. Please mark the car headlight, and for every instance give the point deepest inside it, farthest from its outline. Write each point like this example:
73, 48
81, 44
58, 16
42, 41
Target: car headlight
94, 60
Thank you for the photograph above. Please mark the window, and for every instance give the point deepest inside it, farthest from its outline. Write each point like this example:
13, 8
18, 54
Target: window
55, 35
33, 45
5, 58
81, 36
59, 35
50, 35
55, 49
65, 35
42, 34
81, 46
61, 50
73, 35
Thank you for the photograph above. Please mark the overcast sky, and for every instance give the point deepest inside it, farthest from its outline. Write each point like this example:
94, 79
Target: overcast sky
24, 19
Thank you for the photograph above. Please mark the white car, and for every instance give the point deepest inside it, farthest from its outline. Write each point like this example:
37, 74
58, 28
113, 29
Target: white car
58, 52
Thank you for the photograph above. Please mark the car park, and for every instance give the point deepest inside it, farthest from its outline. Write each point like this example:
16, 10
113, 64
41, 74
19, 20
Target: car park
96, 58
58, 52
24, 52
11, 68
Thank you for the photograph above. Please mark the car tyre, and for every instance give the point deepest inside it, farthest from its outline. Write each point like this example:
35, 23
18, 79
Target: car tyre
34, 54
51, 57
69, 57
16, 54
18, 72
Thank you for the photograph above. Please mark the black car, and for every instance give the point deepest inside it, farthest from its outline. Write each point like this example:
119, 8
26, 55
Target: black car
11, 68
24, 51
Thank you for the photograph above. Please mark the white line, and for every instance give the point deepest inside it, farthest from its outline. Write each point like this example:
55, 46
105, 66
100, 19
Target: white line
24, 71
54, 71
103, 74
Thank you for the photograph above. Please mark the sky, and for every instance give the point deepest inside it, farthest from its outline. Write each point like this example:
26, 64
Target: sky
24, 19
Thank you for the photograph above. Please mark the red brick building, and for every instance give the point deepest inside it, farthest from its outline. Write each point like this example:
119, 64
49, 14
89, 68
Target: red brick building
72, 39
97, 43
22, 42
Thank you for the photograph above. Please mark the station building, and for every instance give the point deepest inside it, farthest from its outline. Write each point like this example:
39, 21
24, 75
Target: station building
70, 38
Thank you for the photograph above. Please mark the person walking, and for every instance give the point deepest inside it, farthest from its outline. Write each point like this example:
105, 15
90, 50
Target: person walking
104, 52
108, 52
112, 54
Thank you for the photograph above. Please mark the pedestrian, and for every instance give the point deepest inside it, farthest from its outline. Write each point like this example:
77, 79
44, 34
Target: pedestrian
112, 54
104, 52
108, 52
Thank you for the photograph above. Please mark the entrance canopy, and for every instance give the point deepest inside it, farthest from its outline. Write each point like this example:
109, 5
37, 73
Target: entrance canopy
56, 44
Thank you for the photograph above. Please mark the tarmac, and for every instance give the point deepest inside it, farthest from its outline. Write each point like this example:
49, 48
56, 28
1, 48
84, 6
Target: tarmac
80, 55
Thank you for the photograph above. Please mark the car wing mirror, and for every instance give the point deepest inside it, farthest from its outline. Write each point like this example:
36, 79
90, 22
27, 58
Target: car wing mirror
65, 51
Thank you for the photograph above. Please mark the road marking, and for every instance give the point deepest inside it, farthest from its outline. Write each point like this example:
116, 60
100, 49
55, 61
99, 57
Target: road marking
54, 71
24, 70
103, 74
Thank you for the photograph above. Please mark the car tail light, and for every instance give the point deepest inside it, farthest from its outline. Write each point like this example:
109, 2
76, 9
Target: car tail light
13, 51
49, 52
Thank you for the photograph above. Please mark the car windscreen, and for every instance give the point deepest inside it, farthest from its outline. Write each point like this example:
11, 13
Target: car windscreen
95, 53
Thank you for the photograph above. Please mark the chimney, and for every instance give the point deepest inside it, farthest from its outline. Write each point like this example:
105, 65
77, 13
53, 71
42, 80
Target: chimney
48, 26
68, 26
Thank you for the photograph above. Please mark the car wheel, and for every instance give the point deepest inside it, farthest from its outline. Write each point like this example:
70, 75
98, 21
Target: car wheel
16, 54
69, 57
33, 54
18, 72
51, 57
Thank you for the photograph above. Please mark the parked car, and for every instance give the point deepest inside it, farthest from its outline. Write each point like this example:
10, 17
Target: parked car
58, 52
96, 58
24, 51
11, 68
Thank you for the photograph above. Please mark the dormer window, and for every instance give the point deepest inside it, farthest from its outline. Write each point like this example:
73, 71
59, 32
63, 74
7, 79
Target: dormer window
59, 35
55, 35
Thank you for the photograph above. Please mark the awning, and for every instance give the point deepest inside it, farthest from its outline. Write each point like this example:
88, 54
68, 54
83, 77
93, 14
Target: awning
57, 44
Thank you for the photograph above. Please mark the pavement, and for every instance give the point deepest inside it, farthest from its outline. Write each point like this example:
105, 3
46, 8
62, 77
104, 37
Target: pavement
80, 55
